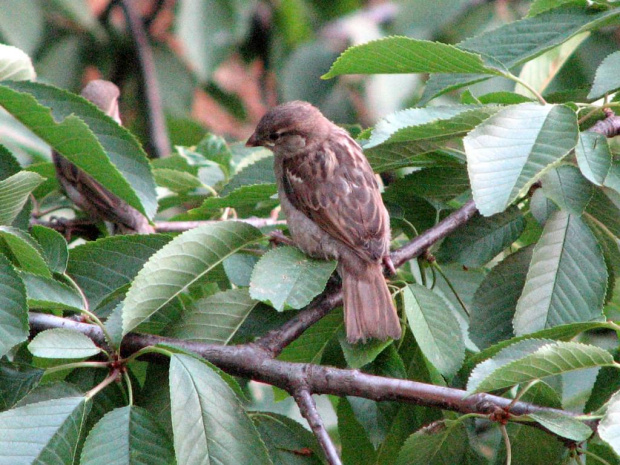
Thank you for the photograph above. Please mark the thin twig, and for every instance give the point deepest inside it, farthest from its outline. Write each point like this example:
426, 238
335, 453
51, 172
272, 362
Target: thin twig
156, 123
429, 237
62, 225
308, 409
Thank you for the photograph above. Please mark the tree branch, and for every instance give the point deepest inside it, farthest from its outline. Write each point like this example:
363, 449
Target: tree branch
253, 362
156, 123
276, 340
88, 226
308, 409
429, 237
609, 126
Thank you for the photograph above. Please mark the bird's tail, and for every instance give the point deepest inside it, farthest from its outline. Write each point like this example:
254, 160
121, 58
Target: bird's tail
368, 308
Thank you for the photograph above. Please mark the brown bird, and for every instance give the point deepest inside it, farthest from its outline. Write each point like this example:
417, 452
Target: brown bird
334, 210
83, 190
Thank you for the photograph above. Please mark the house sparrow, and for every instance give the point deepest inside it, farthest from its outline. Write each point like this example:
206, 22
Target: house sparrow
83, 190
334, 210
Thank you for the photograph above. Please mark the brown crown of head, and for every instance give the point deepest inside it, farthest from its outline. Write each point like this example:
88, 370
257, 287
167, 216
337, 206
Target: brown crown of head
292, 118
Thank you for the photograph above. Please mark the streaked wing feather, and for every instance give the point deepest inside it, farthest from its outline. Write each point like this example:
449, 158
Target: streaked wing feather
336, 188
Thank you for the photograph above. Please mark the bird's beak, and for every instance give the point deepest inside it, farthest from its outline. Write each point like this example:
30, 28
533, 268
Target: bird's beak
253, 141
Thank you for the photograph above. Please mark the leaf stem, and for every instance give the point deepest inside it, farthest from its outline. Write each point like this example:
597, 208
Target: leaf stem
147, 350
525, 84
129, 387
70, 366
593, 455
87, 312
520, 394
458, 298
502, 428
113, 376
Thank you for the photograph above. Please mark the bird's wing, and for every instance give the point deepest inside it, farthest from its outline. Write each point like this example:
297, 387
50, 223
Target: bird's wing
336, 188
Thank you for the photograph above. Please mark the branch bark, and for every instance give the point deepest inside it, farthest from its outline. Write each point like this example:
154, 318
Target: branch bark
308, 409
251, 361
158, 134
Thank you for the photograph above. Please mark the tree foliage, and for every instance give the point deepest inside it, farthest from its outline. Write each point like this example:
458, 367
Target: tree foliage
140, 348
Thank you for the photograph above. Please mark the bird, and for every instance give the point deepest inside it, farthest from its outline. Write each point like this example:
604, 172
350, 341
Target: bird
88, 194
330, 197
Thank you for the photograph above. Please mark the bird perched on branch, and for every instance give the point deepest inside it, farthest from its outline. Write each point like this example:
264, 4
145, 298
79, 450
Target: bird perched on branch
334, 210
83, 190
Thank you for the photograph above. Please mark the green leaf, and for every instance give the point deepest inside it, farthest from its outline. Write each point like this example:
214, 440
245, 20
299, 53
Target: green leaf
8, 163
104, 266
482, 238
14, 192
208, 30
52, 390
606, 384
503, 98
243, 197
80, 12
566, 186
13, 310
360, 354
209, 423
16, 381
44, 432
239, 268
503, 357
561, 333
128, 435
495, 300
287, 278
609, 426
215, 319
562, 425
287, 441
412, 209
440, 184
540, 6
604, 208
47, 293
356, 447
540, 72
180, 263
83, 134
62, 343
256, 172
22, 24
435, 328
310, 346
176, 181
441, 443
554, 358
23, 251
508, 152
406, 55
567, 279
402, 138
432, 123
15, 65
519, 41
593, 156
607, 78
53, 246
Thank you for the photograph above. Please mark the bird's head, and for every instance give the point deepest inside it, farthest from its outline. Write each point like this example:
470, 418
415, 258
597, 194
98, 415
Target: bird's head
290, 128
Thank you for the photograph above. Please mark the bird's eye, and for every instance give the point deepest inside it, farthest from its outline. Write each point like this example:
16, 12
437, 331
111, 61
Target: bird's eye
274, 136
